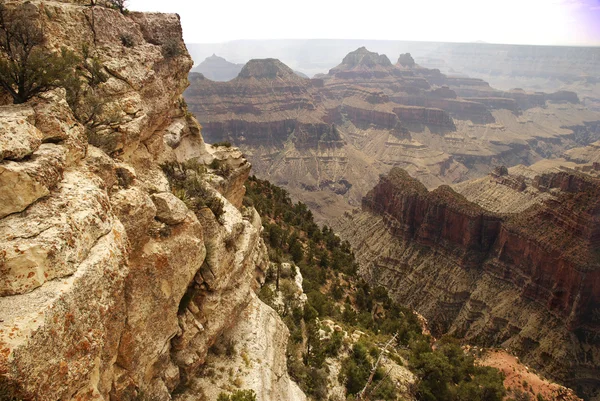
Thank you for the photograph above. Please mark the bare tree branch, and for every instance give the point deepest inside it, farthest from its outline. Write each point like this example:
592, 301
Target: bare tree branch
362, 394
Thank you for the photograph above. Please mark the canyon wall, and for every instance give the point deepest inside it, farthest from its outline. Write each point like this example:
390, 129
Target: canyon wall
112, 287
327, 139
527, 280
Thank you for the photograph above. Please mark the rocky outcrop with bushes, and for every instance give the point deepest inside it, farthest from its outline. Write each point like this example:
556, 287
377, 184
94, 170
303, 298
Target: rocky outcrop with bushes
125, 252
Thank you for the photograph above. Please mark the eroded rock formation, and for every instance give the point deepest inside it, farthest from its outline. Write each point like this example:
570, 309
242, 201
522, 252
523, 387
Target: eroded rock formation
522, 274
367, 115
111, 287
218, 69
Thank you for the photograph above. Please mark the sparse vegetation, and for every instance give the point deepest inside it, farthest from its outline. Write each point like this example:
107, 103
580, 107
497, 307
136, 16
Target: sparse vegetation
171, 48
27, 67
221, 168
9, 391
335, 291
188, 185
120, 5
127, 40
226, 144
239, 395
447, 373
223, 347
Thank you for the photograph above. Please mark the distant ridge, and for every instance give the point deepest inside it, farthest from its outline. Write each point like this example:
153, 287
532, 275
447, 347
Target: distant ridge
217, 68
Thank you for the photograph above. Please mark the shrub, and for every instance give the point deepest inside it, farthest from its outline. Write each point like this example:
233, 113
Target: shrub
355, 369
267, 295
332, 348
221, 168
127, 40
120, 5
447, 373
238, 395
226, 144
187, 184
27, 68
171, 48
9, 391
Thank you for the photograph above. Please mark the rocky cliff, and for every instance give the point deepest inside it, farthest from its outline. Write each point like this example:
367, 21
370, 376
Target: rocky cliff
327, 139
521, 275
111, 286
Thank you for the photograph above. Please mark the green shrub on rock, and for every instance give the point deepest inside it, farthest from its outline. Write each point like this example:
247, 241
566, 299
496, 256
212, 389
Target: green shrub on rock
239, 395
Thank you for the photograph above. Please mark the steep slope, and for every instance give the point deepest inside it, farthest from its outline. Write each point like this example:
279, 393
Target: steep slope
327, 139
524, 278
112, 287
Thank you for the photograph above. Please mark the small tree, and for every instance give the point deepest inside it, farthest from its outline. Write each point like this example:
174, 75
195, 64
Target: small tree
120, 5
27, 68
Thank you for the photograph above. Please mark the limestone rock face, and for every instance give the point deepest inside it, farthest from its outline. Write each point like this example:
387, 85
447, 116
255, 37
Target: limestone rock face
110, 287
259, 339
18, 137
27, 182
523, 276
31, 133
169, 209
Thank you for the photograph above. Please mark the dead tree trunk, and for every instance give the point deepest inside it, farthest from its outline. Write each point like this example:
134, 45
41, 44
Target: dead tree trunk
363, 394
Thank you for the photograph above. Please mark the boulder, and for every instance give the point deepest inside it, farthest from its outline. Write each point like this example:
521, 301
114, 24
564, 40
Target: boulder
169, 209
25, 182
18, 137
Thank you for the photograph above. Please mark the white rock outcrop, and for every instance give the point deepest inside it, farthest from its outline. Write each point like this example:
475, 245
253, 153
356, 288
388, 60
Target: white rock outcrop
258, 362
110, 287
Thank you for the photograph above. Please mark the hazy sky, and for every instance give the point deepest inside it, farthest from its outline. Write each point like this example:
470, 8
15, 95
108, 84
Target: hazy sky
542, 22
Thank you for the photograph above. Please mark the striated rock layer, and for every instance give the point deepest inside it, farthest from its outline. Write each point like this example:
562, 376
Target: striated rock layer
110, 286
527, 281
327, 139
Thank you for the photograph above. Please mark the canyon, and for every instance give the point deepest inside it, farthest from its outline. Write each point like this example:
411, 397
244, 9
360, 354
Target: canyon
134, 263
327, 139
510, 260
505, 66
403, 161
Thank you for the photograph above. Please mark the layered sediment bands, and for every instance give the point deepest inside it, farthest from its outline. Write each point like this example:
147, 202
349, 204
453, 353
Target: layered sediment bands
496, 103
368, 115
527, 281
441, 217
586, 133
458, 108
464, 81
264, 106
523, 100
427, 116
363, 117
588, 154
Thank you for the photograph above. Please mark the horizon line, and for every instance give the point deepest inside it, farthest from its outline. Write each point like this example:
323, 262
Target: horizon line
597, 45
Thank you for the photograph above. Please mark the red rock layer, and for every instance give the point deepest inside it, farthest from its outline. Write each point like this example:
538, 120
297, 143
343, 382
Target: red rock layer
550, 252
